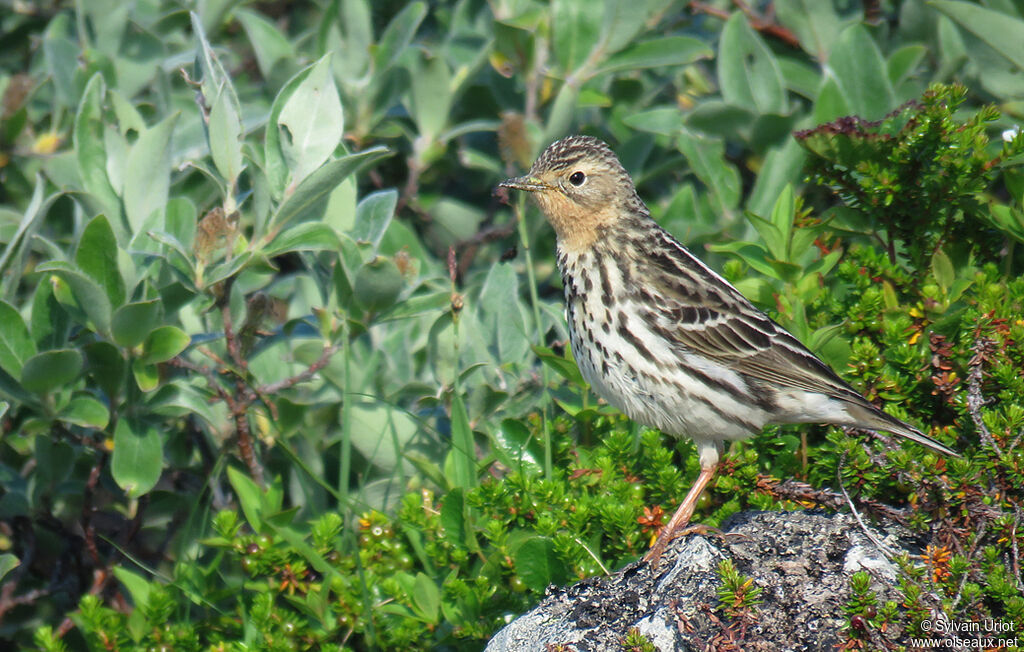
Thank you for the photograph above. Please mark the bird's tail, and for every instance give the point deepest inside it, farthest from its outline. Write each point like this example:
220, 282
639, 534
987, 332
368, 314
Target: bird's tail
868, 416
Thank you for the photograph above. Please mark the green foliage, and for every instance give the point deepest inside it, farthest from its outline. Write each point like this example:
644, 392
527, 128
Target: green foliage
634, 641
866, 619
737, 594
273, 374
917, 177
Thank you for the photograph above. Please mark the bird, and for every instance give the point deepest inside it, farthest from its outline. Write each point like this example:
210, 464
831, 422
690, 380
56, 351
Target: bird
665, 339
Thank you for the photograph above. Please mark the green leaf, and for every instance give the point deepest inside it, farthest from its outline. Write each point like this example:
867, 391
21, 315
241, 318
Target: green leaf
783, 165
132, 322
398, 35
308, 236
576, 27
269, 44
564, 365
453, 517
50, 322
431, 93
373, 215
311, 122
942, 269
1000, 30
106, 367
666, 51
664, 121
18, 247
902, 63
85, 411
830, 103
801, 78
622, 21
356, 26
215, 78
463, 453
323, 181
49, 370
164, 343
88, 296
381, 433
951, 46
137, 586
414, 306
177, 398
516, 440
224, 134
751, 253
61, 54
138, 457
861, 74
8, 562
537, 564
727, 121
377, 284
427, 598
90, 151
707, 159
782, 217
561, 115
250, 497
97, 256
747, 70
502, 315
16, 345
12, 390
147, 376
224, 269
815, 24
174, 252
273, 155
147, 176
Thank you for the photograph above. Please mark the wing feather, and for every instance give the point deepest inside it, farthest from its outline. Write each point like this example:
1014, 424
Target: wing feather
707, 315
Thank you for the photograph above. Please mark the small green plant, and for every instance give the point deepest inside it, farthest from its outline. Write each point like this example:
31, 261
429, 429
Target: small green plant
634, 641
737, 595
916, 179
865, 619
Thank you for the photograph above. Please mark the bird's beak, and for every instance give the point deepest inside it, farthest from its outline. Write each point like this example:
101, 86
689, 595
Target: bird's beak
527, 183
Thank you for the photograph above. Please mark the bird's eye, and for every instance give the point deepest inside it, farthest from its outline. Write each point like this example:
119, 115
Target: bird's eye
577, 178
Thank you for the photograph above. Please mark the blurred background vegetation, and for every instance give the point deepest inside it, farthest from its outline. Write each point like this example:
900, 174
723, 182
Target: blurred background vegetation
278, 370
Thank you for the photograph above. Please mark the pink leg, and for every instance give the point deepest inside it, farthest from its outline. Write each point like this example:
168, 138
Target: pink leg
681, 517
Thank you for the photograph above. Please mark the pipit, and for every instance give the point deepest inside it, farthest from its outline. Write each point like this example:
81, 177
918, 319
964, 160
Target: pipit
665, 339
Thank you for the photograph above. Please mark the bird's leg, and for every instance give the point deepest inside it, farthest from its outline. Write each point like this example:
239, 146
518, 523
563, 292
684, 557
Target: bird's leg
681, 517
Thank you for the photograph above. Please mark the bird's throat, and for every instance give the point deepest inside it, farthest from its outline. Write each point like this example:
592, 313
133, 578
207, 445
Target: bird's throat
577, 226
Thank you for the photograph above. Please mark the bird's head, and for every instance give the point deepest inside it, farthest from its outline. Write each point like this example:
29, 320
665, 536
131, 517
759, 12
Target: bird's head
581, 187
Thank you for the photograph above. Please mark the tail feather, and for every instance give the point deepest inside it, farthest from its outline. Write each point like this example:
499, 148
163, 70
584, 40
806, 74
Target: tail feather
868, 416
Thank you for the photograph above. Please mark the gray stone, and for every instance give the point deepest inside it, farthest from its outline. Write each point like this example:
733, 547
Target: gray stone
801, 560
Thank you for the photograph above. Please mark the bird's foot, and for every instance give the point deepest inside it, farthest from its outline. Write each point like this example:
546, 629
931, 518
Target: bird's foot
707, 530
653, 556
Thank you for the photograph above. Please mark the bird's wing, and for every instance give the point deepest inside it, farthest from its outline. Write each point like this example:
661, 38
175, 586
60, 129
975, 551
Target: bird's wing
705, 314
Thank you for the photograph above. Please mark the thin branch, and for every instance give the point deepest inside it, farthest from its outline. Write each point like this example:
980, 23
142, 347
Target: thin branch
764, 24
982, 348
970, 557
801, 492
230, 337
310, 371
884, 549
1016, 549
205, 372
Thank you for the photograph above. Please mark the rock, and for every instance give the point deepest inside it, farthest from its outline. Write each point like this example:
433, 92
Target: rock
801, 560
